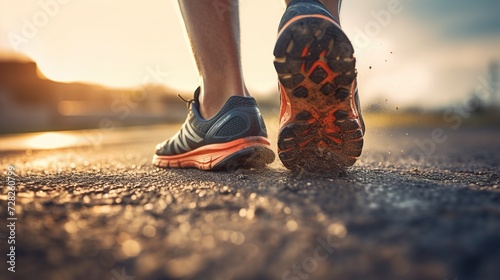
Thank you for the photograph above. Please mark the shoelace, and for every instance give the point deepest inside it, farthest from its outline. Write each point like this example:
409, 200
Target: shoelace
187, 101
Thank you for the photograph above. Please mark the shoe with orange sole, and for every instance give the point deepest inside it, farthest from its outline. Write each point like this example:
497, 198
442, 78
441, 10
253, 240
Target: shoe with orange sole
235, 138
321, 127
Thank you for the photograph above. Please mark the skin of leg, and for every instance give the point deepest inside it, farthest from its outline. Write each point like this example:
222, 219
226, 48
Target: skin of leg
331, 5
214, 33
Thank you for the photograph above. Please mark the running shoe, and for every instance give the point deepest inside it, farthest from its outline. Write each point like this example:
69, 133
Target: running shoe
235, 138
321, 127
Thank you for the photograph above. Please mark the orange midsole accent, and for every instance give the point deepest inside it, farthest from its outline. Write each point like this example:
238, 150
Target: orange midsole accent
206, 153
353, 101
286, 110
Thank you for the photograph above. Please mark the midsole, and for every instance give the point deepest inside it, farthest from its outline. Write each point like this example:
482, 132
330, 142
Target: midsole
226, 148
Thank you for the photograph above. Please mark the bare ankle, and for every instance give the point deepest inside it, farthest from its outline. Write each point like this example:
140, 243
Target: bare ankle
213, 96
212, 103
209, 110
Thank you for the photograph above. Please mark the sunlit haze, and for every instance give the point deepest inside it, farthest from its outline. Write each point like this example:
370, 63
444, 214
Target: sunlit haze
414, 54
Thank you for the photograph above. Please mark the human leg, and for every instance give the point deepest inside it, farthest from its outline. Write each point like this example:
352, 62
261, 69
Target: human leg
214, 33
224, 129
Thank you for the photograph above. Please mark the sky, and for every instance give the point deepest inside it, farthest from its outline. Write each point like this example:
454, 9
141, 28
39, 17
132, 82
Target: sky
424, 53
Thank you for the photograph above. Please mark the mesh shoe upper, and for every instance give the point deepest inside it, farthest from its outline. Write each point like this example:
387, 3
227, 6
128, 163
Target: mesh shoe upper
239, 118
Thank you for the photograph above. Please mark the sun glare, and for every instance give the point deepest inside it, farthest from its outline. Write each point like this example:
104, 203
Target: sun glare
51, 140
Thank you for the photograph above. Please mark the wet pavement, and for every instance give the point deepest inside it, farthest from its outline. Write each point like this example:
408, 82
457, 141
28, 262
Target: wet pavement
420, 204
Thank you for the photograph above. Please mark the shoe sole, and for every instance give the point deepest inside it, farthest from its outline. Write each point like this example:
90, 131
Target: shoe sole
249, 152
316, 69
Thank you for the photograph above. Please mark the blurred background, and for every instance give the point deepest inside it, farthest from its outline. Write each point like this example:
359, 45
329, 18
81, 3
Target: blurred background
73, 64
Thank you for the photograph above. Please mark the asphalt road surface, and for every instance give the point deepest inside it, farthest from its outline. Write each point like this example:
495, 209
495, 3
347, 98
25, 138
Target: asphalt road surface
404, 211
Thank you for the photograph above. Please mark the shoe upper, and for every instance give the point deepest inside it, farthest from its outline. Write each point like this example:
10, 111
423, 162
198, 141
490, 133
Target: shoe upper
239, 118
304, 7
